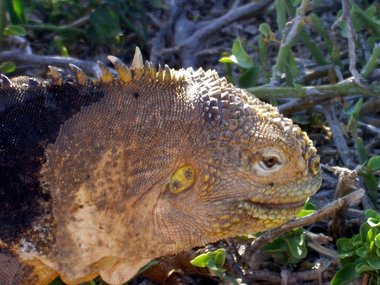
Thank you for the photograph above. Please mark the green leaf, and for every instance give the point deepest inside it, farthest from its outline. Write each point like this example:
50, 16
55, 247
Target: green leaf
364, 267
346, 274
369, 213
370, 233
374, 223
218, 258
278, 245
358, 240
374, 261
57, 281
364, 228
16, 11
315, 50
361, 19
297, 246
250, 77
58, 41
7, 67
309, 205
214, 267
345, 248
281, 14
362, 251
319, 27
352, 108
201, 260
371, 183
242, 57
229, 59
353, 122
304, 213
377, 240
14, 30
374, 163
265, 29
291, 69
105, 24
308, 209
360, 149
158, 4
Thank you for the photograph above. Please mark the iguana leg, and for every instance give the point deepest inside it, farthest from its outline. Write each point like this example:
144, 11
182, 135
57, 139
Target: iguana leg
173, 269
120, 271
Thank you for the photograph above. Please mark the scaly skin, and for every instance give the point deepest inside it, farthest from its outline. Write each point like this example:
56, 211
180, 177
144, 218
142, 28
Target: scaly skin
152, 163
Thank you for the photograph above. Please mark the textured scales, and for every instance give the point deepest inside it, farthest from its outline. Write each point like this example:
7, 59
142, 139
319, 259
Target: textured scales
99, 177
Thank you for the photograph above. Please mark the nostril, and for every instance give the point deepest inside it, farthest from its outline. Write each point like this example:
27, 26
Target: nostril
314, 164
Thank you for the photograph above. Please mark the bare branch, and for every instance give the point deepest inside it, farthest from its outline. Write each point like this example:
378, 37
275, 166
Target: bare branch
323, 213
21, 57
351, 41
338, 137
192, 43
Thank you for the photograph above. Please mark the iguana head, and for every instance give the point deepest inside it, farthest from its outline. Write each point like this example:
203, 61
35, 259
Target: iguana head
252, 169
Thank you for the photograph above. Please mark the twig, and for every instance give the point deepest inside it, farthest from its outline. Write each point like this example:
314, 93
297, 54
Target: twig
370, 128
154, 20
297, 105
317, 238
322, 91
346, 183
323, 213
22, 57
351, 41
80, 22
53, 28
293, 278
192, 43
158, 43
228, 18
338, 137
323, 250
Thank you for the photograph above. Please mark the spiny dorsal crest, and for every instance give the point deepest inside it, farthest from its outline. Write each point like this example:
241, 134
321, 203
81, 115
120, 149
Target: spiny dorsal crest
137, 71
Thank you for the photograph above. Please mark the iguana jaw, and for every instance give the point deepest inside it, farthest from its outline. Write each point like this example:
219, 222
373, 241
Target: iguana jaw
279, 205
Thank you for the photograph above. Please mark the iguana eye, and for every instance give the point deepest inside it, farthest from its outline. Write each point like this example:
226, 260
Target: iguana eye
268, 161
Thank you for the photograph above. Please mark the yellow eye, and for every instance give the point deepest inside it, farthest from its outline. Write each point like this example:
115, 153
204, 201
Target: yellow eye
182, 179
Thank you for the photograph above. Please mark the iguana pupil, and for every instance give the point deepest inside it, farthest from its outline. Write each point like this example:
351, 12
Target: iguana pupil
270, 162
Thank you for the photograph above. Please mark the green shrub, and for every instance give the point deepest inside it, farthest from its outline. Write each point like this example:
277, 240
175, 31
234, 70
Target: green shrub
360, 254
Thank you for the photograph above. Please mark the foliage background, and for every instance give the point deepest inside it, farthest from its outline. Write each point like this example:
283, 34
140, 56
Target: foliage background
317, 60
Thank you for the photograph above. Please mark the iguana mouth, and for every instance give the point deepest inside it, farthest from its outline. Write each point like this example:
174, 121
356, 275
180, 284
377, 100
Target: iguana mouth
279, 205
269, 211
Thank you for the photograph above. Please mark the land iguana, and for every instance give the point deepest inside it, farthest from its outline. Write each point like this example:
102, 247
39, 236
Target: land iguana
101, 176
